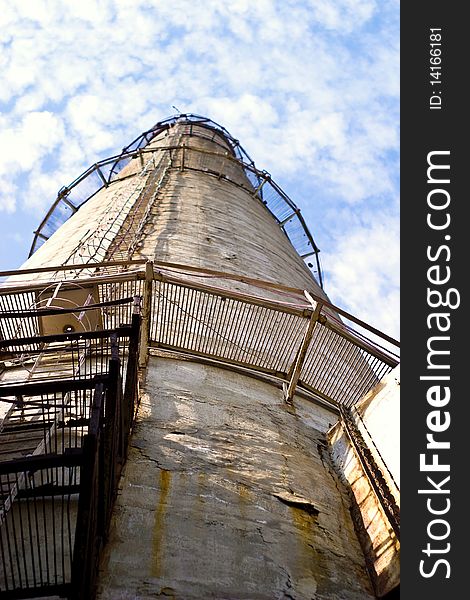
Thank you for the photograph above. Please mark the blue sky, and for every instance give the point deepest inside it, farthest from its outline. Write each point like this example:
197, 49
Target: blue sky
309, 87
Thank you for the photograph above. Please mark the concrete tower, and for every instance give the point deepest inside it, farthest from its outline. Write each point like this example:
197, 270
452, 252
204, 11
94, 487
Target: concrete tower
188, 415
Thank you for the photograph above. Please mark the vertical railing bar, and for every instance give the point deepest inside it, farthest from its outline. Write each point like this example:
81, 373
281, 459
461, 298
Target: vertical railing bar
349, 363
293, 338
8, 537
46, 545
13, 526
259, 332
279, 361
276, 361
311, 361
265, 334
171, 309
219, 340
322, 359
239, 330
293, 342
155, 320
189, 319
2, 543
197, 321
186, 319
367, 378
36, 521
155, 335
337, 374
214, 336
54, 544
22, 536
346, 373
10, 324
69, 525
166, 323
363, 378
271, 341
334, 363
361, 373
347, 368
372, 378
62, 525
153, 310
208, 320
245, 327
384, 370
30, 530
230, 341
162, 301
202, 322
341, 387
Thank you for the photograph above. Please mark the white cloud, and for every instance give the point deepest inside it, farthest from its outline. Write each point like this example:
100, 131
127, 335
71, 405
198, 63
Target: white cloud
23, 147
310, 88
342, 15
363, 269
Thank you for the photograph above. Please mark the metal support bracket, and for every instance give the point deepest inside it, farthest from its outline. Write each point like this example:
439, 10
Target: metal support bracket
101, 176
296, 368
259, 188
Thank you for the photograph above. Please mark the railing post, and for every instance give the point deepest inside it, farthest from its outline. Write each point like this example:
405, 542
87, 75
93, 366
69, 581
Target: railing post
87, 541
296, 369
131, 383
146, 314
111, 448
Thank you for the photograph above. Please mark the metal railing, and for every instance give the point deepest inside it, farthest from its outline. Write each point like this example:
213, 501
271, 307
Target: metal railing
55, 502
267, 336
262, 333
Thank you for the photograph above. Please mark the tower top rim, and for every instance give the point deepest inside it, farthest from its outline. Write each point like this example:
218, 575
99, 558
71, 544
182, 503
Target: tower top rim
189, 118
104, 172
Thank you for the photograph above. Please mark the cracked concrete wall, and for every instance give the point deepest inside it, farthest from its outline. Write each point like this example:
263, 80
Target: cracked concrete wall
229, 493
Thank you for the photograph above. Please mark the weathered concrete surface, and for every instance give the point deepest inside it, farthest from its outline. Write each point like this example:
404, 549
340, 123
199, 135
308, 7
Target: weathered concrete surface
209, 222
229, 494
379, 412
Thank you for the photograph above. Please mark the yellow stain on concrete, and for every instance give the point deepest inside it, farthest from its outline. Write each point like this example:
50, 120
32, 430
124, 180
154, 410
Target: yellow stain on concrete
309, 564
158, 526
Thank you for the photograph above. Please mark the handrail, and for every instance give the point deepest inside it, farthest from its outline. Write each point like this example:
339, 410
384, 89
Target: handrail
158, 268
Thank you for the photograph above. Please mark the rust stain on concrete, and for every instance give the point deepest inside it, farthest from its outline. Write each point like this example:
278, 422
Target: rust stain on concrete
158, 526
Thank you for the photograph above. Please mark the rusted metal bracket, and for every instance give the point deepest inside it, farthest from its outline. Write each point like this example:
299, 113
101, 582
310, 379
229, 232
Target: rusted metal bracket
296, 368
259, 188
